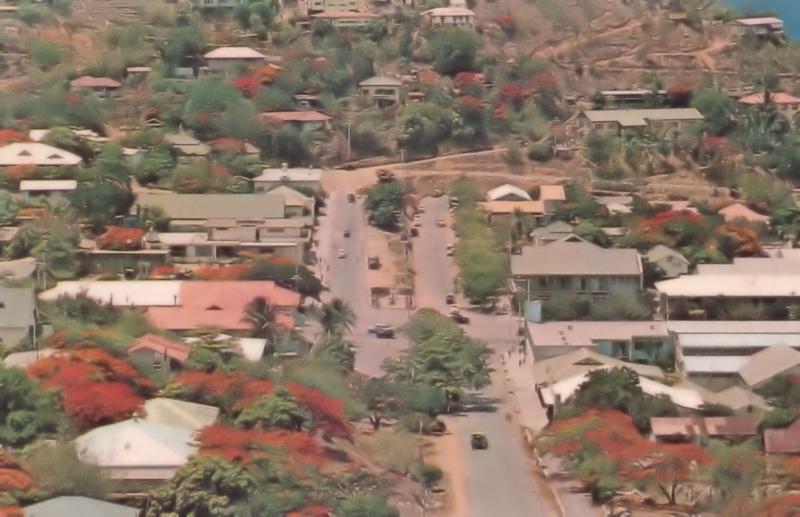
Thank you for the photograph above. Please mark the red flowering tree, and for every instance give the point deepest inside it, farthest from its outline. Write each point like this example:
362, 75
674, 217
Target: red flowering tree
327, 412
249, 86
119, 238
96, 387
231, 272
231, 391
612, 437
469, 83
9, 136
246, 445
514, 93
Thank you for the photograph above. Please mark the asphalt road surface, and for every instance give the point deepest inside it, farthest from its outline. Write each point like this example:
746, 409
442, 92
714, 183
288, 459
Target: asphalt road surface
499, 480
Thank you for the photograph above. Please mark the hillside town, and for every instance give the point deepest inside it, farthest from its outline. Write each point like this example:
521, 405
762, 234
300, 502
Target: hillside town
390, 258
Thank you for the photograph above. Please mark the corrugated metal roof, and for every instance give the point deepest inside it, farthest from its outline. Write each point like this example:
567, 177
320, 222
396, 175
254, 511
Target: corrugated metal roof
216, 206
575, 258
582, 360
741, 285
379, 80
180, 413
783, 441
77, 506
704, 426
637, 118
506, 190
129, 293
766, 364
47, 185
235, 53
34, 153
171, 348
713, 364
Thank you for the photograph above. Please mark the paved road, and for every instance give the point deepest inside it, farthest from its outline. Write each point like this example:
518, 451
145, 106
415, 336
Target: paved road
346, 278
499, 481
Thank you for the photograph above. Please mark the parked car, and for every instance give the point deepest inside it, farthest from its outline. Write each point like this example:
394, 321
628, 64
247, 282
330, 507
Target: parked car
351, 198
440, 223
385, 333
346, 233
420, 209
341, 253
374, 262
437, 193
415, 232
478, 441
458, 317
385, 175
450, 299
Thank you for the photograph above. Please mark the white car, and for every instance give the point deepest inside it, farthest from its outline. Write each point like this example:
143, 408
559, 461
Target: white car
341, 253
440, 222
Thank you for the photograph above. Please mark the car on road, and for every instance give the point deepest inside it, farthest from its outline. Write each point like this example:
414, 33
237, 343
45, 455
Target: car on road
437, 193
351, 198
458, 317
385, 333
440, 223
341, 253
414, 232
450, 299
374, 262
420, 209
451, 250
384, 175
346, 233
372, 329
478, 441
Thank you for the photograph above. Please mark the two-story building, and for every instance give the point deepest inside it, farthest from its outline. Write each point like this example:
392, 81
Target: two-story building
308, 120
218, 227
450, 17
667, 121
229, 61
321, 6
381, 91
346, 19
574, 266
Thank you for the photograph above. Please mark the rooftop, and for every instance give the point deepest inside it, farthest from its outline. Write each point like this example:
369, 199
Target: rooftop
174, 349
507, 190
764, 20
509, 207
660, 251
16, 307
216, 206
180, 413
78, 506
738, 211
587, 333
552, 193
768, 363
638, 118
582, 360
331, 15
137, 449
289, 175
380, 80
34, 153
296, 116
774, 98
736, 285
47, 185
234, 53
130, 293
704, 426
575, 258
449, 11
783, 441
88, 81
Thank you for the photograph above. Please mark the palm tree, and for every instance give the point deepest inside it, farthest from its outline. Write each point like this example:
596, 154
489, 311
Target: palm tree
261, 316
336, 317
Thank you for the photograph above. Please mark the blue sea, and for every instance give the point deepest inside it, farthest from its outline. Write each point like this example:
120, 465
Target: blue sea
787, 10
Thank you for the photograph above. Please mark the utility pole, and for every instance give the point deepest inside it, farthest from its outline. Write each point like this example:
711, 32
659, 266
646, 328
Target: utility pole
349, 125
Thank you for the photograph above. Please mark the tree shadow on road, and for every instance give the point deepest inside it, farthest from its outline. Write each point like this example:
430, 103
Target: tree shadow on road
477, 403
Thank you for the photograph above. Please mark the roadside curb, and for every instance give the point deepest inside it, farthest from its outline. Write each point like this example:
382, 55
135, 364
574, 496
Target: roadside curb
528, 437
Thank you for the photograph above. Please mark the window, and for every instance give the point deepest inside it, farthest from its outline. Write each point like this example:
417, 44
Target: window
602, 284
583, 284
565, 282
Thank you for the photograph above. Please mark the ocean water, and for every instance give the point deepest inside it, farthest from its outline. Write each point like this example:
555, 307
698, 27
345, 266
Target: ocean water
787, 10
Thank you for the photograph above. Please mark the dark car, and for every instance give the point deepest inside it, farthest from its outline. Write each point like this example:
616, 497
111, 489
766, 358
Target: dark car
385, 333
459, 318
374, 262
351, 198
478, 441
347, 233
450, 299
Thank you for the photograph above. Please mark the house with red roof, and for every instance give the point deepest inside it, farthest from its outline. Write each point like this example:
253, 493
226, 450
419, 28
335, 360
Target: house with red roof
740, 212
308, 120
102, 86
221, 305
159, 353
785, 104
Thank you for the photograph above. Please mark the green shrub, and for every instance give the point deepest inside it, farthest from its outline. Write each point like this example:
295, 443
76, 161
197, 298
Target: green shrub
540, 152
428, 474
44, 54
